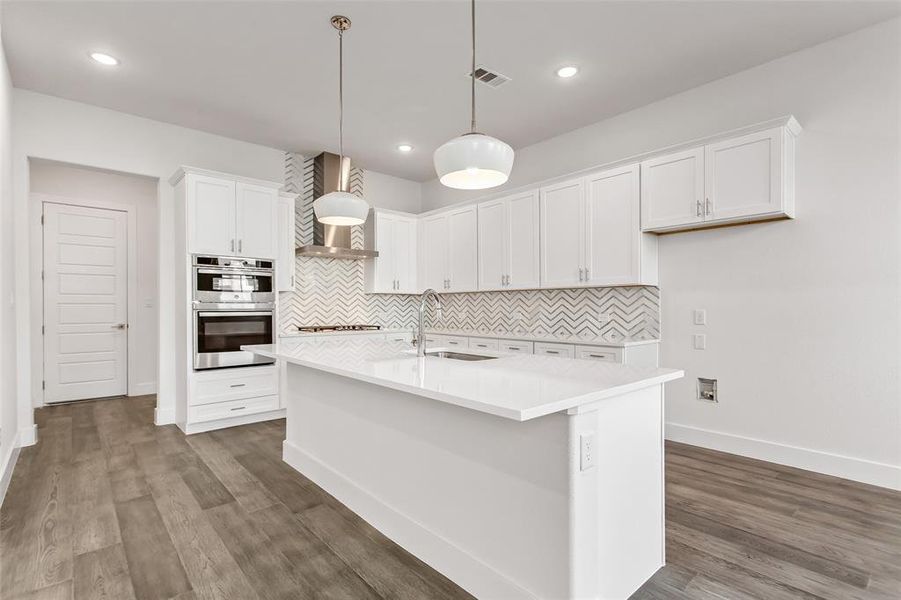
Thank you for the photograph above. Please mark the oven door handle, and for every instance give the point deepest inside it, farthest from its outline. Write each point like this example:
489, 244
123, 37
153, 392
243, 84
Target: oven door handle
237, 313
235, 272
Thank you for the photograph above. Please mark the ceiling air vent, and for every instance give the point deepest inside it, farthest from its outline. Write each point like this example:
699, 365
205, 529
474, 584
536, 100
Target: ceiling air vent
489, 77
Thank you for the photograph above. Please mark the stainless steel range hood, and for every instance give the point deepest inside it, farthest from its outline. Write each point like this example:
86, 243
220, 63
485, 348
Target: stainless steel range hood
331, 241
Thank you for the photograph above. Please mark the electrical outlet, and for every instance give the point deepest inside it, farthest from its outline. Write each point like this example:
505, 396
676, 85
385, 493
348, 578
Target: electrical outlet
707, 389
586, 441
699, 341
603, 318
700, 316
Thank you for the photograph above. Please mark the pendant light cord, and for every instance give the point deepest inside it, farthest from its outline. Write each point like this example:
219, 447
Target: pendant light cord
472, 125
341, 93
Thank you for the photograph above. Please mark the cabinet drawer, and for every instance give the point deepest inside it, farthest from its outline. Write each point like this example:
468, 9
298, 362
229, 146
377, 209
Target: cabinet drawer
450, 341
550, 349
599, 353
233, 384
405, 337
515, 347
482, 344
233, 408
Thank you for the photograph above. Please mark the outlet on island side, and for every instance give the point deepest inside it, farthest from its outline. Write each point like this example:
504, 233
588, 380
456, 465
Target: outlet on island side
586, 441
707, 389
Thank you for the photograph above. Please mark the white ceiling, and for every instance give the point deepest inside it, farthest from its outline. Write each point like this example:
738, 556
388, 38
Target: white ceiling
266, 72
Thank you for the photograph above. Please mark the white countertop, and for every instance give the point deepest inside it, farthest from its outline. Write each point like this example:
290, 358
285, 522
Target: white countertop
527, 337
518, 387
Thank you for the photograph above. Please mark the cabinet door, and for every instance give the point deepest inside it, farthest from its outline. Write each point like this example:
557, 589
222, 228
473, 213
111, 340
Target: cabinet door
522, 247
613, 233
493, 245
385, 279
562, 230
211, 215
405, 254
672, 190
744, 176
284, 263
433, 244
256, 217
463, 248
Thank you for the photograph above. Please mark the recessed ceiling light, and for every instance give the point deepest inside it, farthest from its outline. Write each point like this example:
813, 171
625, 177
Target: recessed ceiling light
105, 59
404, 148
566, 72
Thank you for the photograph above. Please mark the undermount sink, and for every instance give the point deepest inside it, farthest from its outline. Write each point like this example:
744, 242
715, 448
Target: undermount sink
457, 355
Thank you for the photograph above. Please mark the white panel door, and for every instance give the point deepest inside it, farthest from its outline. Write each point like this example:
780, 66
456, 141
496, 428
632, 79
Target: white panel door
256, 218
463, 250
385, 263
493, 245
672, 190
85, 303
562, 233
284, 264
433, 243
744, 175
522, 247
405, 254
613, 234
211, 215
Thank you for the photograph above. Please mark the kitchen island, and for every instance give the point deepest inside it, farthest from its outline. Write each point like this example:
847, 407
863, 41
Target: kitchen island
516, 476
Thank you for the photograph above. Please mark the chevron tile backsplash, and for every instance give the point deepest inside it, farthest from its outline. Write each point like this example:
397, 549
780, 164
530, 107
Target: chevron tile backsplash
330, 291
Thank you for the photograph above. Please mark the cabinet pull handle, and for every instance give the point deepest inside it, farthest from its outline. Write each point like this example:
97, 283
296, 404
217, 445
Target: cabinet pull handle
586, 273
234, 385
233, 245
240, 244
551, 352
697, 208
580, 274
707, 206
239, 408
513, 348
598, 355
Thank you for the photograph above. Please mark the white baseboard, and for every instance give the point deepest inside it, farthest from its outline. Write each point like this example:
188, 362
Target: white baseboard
142, 389
28, 436
855, 469
189, 428
471, 574
7, 466
164, 416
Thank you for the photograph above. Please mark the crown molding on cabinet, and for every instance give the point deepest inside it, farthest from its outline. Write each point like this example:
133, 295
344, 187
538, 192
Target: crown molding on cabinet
184, 170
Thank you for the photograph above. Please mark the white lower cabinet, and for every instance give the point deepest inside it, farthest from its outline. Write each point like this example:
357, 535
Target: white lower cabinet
554, 349
232, 409
403, 336
229, 396
483, 344
595, 353
446, 341
515, 347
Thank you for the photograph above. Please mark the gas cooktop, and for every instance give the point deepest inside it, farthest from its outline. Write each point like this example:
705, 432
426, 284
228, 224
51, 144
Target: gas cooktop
326, 328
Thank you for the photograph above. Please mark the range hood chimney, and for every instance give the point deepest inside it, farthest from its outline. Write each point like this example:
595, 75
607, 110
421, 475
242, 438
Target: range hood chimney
331, 241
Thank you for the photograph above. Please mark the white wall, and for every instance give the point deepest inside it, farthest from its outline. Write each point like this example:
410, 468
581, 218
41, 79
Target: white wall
804, 326
69, 183
64, 131
8, 403
387, 191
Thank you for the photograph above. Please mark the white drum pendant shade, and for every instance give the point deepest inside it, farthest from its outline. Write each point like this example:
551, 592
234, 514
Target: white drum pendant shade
473, 161
341, 208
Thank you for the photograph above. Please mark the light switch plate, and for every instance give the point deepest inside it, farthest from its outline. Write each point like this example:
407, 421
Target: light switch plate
700, 316
586, 442
699, 341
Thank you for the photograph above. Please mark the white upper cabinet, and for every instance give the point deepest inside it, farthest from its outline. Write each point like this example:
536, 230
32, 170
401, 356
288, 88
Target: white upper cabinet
393, 271
672, 190
616, 251
744, 176
231, 217
462, 248
284, 263
433, 252
734, 179
211, 215
562, 217
508, 243
257, 221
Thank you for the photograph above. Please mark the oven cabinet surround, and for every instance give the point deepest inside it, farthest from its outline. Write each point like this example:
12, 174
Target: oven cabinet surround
394, 235
520, 477
230, 215
739, 179
284, 262
208, 203
591, 232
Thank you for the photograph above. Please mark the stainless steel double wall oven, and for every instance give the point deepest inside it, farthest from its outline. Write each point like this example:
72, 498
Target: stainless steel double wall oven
233, 306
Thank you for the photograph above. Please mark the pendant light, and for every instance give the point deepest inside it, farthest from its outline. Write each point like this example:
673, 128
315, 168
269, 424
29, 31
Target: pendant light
341, 207
473, 161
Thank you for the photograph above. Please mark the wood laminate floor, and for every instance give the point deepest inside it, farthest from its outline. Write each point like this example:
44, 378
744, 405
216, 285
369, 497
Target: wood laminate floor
107, 505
